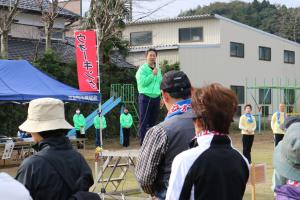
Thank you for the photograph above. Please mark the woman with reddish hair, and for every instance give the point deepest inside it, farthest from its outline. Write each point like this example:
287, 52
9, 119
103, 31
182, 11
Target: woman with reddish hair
213, 169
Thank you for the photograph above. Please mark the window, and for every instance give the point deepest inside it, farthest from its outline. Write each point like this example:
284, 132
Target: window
240, 93
289, 57
236, 50
265, 96
289, 96
56, 34
265, 111
265, 53
141, 38
191, 34
238, 111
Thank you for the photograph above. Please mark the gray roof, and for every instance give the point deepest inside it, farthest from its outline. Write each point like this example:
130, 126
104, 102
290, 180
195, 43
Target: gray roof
33, 6
157, 47
29, 49
175, 19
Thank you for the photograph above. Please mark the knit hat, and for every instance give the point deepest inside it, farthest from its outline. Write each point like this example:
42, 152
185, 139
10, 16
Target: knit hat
286, 158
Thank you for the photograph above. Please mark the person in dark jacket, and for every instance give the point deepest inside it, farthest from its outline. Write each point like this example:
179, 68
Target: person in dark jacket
167, 139
213, 170
56, 171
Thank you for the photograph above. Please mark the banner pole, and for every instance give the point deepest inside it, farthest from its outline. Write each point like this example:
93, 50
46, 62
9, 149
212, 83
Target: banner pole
102, 191
99, 85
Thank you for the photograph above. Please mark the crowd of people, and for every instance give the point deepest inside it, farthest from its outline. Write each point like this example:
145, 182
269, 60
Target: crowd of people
189, 155
100, 124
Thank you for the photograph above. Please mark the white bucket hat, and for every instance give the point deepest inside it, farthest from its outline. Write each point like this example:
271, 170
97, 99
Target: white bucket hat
45, 114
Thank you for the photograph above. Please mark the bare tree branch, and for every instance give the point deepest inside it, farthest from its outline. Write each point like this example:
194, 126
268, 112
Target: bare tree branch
6, 19
106, 16
50, 12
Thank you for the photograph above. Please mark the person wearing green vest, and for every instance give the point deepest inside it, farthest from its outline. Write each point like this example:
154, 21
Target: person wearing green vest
79, 124
148, 79
97, 126
126, 123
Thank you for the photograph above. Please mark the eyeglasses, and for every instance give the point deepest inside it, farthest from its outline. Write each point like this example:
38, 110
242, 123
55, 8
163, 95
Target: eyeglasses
197, 117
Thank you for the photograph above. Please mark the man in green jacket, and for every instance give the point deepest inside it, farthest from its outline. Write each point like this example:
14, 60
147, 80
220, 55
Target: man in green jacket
98, 126
148, 79
79, 124
126, 123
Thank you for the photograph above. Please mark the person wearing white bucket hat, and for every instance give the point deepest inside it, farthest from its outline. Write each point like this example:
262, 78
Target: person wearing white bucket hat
286, 162
56, 171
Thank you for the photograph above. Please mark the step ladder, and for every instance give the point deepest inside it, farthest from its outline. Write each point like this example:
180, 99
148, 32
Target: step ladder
115, 167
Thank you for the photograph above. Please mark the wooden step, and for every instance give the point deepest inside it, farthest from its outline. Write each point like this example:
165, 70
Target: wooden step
119, 165
111, 180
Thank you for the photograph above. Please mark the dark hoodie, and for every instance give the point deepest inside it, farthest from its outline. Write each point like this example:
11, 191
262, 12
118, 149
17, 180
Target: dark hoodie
43, 181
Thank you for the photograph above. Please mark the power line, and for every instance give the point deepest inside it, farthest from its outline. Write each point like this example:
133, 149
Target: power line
155, 10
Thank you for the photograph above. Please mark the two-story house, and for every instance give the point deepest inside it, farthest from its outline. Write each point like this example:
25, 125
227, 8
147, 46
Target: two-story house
26, 38
260, 67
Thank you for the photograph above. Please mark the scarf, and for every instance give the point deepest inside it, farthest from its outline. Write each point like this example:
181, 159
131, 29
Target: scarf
278, 117
249, 118
178, 108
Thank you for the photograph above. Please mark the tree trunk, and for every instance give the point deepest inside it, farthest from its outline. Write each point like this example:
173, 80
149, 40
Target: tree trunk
4, 44
48, 34
48, 38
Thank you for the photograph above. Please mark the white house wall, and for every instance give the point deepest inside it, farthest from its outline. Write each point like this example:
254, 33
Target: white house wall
207, 64
25, 31
29, 26
168, 33
250, 66
35, 20
138, 58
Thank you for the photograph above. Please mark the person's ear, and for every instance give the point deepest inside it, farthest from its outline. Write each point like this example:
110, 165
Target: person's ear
198, 125
192, 90
165, 96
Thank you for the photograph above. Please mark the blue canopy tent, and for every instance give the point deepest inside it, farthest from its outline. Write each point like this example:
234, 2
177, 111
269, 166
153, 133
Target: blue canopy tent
22, 82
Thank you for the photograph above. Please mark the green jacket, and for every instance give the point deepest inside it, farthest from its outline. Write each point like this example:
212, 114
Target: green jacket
79, 121
126, 120
148, 84
97, 122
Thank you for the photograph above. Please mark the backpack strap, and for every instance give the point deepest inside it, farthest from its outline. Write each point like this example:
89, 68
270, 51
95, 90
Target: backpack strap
69, 184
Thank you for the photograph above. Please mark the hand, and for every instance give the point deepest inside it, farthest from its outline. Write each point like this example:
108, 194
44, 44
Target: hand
155, 71
281, 126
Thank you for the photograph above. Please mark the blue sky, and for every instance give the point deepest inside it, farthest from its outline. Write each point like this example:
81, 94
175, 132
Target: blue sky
174, 7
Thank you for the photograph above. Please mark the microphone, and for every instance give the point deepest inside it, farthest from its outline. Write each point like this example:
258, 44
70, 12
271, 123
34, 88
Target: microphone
154, 64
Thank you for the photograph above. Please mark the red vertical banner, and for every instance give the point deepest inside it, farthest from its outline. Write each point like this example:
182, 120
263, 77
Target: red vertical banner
86, 59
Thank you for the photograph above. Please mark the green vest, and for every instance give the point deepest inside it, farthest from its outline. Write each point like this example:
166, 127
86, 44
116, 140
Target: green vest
126, 120
148, 84
79, 121
97, 122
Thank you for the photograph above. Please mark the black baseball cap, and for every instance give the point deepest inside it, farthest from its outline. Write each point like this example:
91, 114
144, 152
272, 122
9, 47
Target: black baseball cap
176, 82
290, 120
